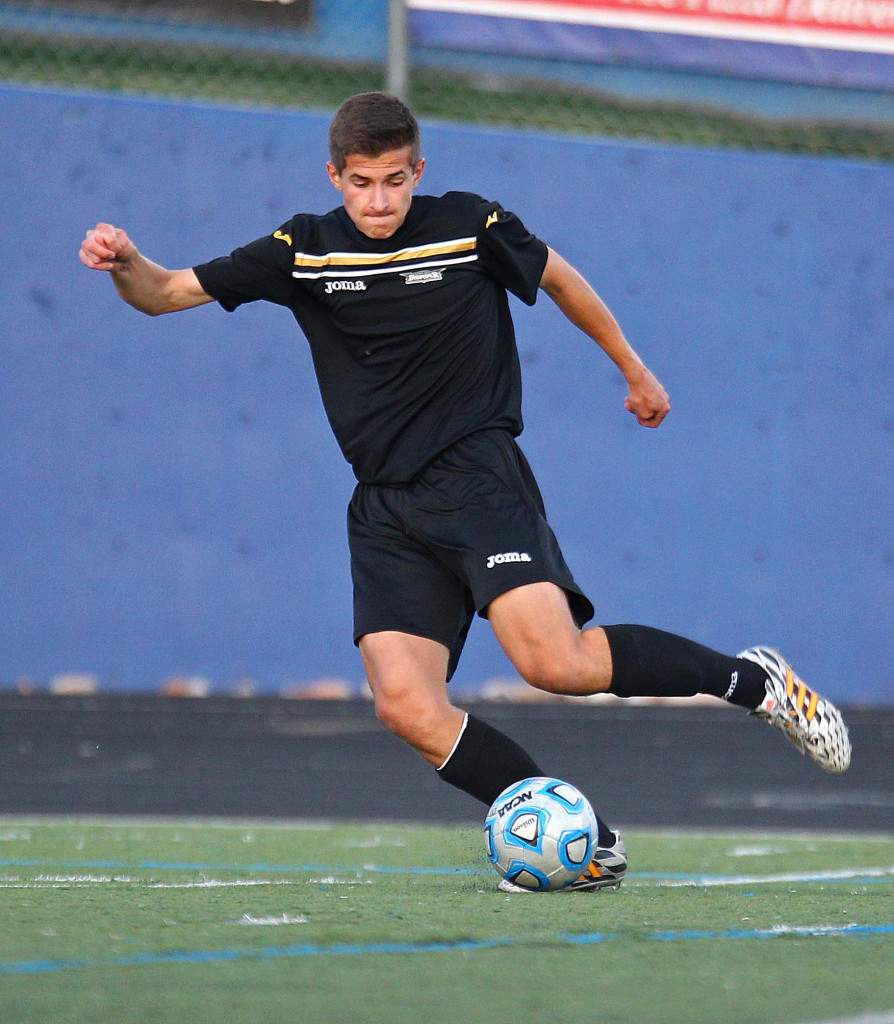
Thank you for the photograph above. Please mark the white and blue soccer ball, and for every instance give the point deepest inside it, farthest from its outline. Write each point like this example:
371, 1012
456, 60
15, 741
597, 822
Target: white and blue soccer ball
540, 834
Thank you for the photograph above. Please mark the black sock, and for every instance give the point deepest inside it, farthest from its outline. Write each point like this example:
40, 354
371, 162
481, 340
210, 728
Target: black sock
485, 761
651, 663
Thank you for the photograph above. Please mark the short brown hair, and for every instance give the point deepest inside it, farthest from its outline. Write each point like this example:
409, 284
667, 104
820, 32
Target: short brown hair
370, 124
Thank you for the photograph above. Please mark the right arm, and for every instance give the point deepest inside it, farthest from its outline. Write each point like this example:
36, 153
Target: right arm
572, 293
143, 284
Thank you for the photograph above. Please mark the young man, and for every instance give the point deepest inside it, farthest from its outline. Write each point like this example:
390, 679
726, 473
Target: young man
403, 300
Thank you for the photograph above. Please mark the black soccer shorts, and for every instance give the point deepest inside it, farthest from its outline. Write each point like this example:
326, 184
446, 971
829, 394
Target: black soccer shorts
427, 555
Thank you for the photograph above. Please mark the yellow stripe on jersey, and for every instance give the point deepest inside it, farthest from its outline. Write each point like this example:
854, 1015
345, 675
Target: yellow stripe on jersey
357, 259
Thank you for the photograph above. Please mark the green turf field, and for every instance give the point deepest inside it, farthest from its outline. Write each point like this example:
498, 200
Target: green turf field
132, 922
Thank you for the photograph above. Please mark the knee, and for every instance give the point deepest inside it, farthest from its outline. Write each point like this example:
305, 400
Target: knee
411, 715
569, 672
551, 675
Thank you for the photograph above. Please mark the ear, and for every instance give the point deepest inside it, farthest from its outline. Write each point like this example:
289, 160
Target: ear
417, 171
334, 175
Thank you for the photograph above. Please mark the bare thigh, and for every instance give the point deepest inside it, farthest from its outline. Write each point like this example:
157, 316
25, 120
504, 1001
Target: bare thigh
408, 677
536, 629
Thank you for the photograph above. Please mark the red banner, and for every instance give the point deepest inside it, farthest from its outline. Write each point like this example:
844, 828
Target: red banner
865, 25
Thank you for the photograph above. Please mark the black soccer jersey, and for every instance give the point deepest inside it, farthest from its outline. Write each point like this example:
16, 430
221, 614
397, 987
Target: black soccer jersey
411, 336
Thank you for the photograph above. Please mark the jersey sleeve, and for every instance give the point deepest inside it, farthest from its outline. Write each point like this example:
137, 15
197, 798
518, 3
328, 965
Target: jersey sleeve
510, 253
260, 270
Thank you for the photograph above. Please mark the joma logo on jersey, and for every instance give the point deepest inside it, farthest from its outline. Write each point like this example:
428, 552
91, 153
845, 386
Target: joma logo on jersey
507, 556
514, 802
345, 286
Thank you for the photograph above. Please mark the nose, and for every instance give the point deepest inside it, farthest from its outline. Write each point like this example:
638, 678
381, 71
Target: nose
379, 202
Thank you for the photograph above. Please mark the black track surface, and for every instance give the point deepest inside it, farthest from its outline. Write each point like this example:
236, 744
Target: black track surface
272, 758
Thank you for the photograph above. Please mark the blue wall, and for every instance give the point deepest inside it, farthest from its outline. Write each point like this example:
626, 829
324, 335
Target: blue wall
172, 500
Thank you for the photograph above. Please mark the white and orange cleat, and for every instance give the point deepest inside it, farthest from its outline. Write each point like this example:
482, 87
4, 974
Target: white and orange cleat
607, 868
813, 724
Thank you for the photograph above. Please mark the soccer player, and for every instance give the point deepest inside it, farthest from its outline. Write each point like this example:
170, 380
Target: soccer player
403, 300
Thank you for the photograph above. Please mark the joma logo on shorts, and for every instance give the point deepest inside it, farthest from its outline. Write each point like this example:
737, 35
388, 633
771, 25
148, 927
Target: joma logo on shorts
345, 286
507, 556
514, 802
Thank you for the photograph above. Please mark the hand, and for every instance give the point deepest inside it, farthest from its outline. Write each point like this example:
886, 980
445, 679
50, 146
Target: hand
648, 400
106, 248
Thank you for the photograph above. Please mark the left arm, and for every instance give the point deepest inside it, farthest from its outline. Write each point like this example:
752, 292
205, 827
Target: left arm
571, 292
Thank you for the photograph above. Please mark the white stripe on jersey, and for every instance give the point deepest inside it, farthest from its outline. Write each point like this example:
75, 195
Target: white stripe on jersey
406, 268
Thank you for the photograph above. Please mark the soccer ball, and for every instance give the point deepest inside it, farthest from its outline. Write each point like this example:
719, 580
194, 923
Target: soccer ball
540, 834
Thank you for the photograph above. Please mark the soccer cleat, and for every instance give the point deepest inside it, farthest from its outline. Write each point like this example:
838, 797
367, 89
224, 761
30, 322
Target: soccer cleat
813, 724
606, 870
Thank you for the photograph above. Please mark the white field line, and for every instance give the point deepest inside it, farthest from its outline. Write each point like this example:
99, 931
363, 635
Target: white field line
332, 880
212, 884
705, 881
78, 879
809, 929
756, 850
794, 876
864, 1018
248, 919
88, 881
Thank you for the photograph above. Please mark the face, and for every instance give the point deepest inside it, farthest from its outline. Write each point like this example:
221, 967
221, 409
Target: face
377, 190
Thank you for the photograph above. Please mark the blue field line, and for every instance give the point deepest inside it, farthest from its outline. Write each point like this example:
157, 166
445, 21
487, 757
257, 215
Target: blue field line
210, 956
802, 931
154, 865
632, 878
